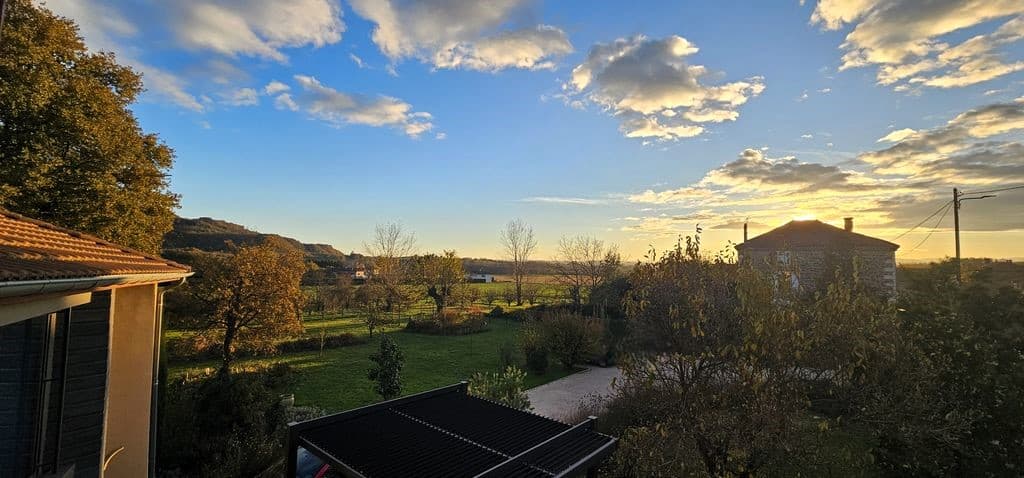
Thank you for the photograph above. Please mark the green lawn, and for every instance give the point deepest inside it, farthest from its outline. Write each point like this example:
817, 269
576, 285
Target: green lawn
337, 380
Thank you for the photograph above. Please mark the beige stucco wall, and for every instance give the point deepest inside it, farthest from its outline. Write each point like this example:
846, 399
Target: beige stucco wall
130, 381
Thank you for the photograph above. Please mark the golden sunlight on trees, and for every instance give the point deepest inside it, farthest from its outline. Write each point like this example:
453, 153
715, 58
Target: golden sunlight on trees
249, 298
443, 275
71, 151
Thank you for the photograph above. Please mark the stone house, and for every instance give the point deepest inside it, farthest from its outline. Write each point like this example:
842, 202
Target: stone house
807, 254
80, 327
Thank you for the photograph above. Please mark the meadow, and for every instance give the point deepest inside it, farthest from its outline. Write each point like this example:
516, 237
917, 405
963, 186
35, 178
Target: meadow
336, 379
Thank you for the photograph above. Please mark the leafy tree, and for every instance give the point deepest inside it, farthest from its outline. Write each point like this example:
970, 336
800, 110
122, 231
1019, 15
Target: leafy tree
372, 298
713, 370
443, 275
389, 360
71, 151
951, 401
570, 337
505, 387
247, 299
340, 296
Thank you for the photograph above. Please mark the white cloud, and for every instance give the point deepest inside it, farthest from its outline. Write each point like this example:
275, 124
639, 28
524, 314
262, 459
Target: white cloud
909, 41
258, 28
358, 61
807, 136
462, 34
440, 136
284, 101
338, 108
891, 187
275, 87
896, 136
825, 91
654, 91
564, 200
242, 97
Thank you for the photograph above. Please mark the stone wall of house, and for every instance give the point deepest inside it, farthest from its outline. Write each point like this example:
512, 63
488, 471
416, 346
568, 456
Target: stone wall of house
814, 266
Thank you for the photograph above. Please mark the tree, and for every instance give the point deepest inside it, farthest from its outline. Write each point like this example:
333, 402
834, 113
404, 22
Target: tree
443, 275
391, 243
71, 151
389, 360
712, 371
518, 241
583, 264
372, 299
247, 299
569, 337
341, 295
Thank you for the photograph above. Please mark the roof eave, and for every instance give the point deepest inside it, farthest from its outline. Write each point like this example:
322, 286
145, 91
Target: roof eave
20, 288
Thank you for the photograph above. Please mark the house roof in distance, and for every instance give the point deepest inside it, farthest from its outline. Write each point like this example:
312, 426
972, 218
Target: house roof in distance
448, 433
812, 233
32, 250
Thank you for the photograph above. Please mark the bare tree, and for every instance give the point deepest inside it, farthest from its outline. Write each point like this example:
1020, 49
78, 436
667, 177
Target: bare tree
583, 263
389, 245
518, 241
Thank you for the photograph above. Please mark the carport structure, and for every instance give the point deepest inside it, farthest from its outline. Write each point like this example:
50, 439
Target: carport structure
447, 433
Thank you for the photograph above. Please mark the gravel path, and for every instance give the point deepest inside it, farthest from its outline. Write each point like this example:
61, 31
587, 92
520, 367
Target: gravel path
560, 399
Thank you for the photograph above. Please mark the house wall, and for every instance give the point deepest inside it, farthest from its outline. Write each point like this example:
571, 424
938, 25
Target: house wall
816, 265
130, 381
75, 404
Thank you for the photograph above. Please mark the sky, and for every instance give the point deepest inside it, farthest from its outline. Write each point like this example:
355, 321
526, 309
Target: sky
631, 122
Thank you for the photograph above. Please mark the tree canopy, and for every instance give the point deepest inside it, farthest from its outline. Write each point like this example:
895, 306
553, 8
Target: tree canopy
71, 151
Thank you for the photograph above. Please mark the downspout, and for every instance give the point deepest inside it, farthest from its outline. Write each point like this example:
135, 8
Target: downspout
154, 397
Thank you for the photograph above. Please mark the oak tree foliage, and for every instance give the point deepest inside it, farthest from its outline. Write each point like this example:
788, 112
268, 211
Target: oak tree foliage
71, 151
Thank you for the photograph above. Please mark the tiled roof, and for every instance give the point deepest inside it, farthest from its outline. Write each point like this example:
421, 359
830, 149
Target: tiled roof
812, 233
35, 250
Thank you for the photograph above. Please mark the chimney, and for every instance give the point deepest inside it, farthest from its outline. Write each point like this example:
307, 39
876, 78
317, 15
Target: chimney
744, 231
848, 224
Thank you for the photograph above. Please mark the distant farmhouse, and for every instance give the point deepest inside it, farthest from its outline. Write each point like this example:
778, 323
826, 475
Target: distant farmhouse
807, 254
480, 278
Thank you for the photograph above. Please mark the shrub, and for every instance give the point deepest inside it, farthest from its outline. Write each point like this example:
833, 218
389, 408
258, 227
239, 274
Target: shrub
535, 351
506, 355
503, 387
449, 323
388, 371
497, 311
570, 338
230, 425
313, 343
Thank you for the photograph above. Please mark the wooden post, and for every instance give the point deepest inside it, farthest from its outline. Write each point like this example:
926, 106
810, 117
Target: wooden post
956, 229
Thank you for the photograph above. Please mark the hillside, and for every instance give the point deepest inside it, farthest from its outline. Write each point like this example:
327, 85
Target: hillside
213, 235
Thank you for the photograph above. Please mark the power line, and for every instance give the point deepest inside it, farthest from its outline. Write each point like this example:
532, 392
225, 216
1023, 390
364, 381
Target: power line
946, 210
992, 190
908, 231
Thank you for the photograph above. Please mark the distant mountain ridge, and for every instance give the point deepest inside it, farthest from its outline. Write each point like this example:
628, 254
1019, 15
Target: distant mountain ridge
213, 235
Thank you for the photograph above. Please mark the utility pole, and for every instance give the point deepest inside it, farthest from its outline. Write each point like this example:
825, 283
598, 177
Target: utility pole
3, 13
956, 229
956, 225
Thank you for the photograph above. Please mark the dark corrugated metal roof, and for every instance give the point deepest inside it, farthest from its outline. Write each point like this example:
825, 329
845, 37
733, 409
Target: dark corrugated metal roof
447, 433
812, 233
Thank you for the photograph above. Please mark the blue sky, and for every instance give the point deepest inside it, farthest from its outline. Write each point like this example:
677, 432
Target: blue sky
685, 113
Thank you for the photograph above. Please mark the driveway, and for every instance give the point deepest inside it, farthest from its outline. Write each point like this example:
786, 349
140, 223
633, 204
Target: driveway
561, 398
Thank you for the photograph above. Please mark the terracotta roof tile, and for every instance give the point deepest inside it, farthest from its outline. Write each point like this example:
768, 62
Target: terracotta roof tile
812, 233
35, 250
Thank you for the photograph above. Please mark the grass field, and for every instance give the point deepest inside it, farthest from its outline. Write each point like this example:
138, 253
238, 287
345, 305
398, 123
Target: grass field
337, 380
